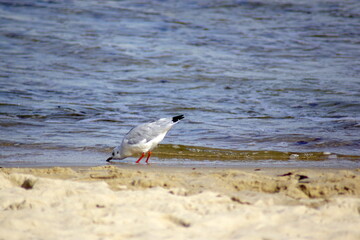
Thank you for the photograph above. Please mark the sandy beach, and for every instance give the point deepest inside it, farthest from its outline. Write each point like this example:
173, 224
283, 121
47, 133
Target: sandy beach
152, 202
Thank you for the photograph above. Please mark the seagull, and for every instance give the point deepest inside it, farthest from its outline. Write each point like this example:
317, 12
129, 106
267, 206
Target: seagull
144, 138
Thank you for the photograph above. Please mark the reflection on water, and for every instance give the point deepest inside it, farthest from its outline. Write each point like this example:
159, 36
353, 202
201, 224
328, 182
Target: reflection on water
249, 76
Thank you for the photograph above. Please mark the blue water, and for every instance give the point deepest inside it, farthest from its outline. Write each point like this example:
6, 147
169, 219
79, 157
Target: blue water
248, 75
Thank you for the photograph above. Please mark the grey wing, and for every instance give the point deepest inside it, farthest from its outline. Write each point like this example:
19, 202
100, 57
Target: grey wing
146, 131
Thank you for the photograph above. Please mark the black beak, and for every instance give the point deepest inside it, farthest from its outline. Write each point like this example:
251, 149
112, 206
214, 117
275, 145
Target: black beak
108, 160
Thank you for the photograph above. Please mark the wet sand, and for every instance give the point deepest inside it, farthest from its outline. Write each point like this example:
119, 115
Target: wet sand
152, 202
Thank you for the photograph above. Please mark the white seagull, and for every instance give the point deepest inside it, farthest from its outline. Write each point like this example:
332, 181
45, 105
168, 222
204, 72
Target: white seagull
144, 138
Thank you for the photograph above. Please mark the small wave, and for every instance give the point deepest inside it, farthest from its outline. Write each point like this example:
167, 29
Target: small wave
197, 153
204, 153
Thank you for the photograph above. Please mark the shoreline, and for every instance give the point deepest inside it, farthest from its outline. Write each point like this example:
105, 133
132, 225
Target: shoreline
173, 156
148, 201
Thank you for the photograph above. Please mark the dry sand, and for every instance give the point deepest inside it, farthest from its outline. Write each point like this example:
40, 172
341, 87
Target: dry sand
147, 202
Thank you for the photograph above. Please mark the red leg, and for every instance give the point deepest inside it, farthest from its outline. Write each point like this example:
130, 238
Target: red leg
147, 159
142, 155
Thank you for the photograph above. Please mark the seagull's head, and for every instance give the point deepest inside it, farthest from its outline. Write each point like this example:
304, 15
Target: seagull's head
116, 153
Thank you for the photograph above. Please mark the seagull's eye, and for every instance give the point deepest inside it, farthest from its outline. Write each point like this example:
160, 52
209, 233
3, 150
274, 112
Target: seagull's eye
117, 152
113, 153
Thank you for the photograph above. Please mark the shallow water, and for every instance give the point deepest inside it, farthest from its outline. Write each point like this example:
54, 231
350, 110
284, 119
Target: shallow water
248, 75
167, 155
